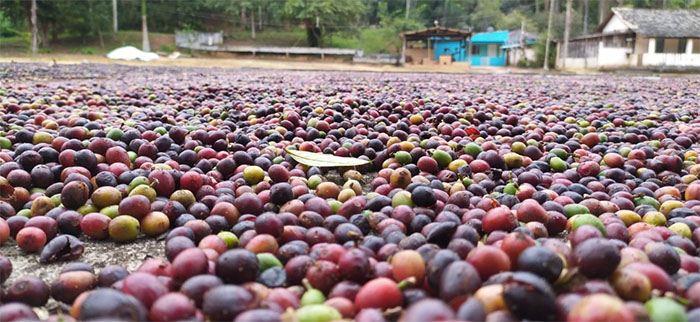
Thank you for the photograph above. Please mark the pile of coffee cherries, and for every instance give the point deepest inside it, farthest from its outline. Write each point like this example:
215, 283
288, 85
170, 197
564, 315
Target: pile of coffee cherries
482, 198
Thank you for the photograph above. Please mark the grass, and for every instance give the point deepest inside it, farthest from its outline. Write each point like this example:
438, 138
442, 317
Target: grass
15, 43
370, 40
74, 44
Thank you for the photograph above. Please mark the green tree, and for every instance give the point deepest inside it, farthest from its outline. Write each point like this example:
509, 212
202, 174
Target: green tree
321, 17
513, 20
487, 14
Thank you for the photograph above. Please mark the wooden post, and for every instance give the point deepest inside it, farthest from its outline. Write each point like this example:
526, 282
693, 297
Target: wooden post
403, 51
470, 51
430, 56
689, 46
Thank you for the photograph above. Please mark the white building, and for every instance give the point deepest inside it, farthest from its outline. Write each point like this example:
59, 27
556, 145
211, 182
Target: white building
518, 47
638, 38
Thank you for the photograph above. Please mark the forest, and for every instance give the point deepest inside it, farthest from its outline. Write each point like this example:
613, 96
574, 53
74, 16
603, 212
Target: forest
325, 23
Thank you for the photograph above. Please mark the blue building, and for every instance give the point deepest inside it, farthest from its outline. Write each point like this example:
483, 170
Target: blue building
487, 48
425, 46
496, 48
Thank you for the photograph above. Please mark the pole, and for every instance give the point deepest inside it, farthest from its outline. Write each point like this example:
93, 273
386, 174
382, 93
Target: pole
115, 23
470, 51
260, 20
567, 29
403, 51
408, 8
430, 56
522, 38
35, 30
549, 35
145, 44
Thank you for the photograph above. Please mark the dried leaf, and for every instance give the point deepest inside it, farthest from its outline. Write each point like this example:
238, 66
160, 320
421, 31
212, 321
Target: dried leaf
324, 160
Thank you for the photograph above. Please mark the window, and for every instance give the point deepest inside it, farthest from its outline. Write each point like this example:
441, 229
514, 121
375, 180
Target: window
681, 45
659, 45
617, 41
475, 50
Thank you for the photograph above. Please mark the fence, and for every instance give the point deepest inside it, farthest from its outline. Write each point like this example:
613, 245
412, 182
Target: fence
190, 39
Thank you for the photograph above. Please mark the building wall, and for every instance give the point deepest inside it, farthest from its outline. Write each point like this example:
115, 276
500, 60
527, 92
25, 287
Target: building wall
453, 48
489, 55
680, 60
615, 25
608, 57
670, 45
515, 54
580, 63
636, 56
416, 55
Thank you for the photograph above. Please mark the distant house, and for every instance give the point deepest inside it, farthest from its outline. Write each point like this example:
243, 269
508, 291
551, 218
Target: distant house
638, 38
519, 46
487, 48
501, 48
445, 45
425, 46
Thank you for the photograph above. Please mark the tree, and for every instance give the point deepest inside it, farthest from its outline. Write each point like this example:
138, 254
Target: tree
566, 33
514, 19
115, 23
585, 16
453, 13
35, 30
602, 10
145, 44
549, 35
487, 14
320, 17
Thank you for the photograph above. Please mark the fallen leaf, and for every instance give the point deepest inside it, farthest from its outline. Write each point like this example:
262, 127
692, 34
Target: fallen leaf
324, 160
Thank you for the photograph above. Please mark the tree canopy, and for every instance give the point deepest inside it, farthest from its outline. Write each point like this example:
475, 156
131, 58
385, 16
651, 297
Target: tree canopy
86, 18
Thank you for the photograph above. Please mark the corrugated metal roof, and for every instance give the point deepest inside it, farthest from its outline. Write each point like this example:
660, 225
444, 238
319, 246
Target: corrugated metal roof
435, 32
491, 37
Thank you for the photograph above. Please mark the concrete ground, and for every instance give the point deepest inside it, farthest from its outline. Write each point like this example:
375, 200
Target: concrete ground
258, 63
